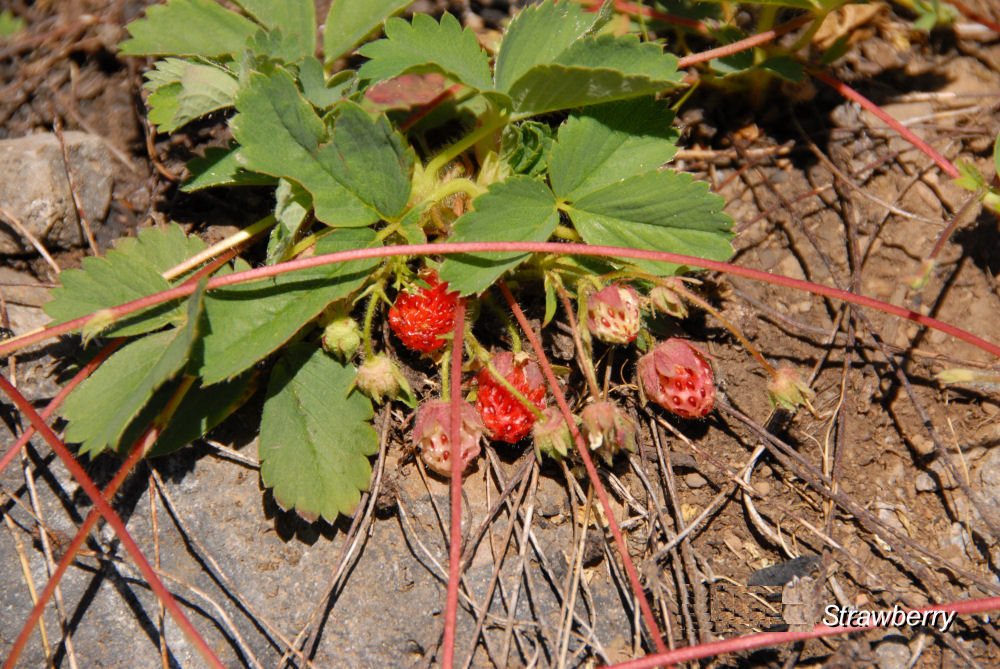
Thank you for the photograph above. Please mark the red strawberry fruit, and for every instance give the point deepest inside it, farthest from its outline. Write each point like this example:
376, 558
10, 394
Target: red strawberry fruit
676, 375
505, 417
419, 318
613, 314
430, 435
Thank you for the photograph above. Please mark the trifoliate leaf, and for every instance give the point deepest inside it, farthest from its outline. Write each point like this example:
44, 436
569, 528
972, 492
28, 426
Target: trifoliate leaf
103, 406
595, 70
657, 211
219, 167
296, 19
274, 45
315, 435
355, 176
247, 322
188, 28
427, 46
349, 22
185, 90
536, 36
519, 209
130, 271
608, 143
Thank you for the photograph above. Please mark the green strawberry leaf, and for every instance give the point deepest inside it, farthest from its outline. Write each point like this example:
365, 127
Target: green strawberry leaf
315, 436
348, 22
130, 271
608, 143
355, 176
202, 408
317, 89
184, 90
428, 46
219, 167
247, 322
291, 210
104, 405
520, 209
536, 36
656, 211
592, 70
188, 28
295, 18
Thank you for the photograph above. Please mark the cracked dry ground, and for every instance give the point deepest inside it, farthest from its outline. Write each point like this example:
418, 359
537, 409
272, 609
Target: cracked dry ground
889, 490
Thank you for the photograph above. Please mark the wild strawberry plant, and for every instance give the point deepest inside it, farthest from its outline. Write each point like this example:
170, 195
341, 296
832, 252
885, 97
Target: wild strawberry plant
561, 137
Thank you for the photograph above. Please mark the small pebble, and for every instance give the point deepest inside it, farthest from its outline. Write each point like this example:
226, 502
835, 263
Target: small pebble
925, 483
892, 655
695, 480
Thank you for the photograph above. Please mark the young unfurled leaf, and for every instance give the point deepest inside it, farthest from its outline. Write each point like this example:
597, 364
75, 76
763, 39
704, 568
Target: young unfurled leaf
184, 90
427, 46
104, 405
130, 271
295, 18
188, 28
659, 211
247, 322
525, 147
519, 209
608, 143
355, 175
315, 437
349, 21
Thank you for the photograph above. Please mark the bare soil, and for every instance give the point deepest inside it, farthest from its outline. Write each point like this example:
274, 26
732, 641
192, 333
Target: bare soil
887, 492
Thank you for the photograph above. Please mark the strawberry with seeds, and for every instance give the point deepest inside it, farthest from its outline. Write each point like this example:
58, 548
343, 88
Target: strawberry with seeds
676, 375
505, 416
419, 318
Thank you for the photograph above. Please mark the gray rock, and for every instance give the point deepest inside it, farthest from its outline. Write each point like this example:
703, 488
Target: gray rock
925, 483
34, 187
892, 654
694, 480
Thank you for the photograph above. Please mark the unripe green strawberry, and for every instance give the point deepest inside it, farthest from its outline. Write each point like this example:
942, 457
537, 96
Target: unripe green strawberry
613, 314
430, 435
676, 375
379, 378
342, 337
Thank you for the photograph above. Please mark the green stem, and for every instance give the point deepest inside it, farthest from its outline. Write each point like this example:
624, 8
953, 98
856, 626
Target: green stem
229, 242
509, 387
369, 316
453, 186
445, 376
567, 233
459, 147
